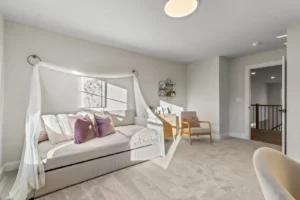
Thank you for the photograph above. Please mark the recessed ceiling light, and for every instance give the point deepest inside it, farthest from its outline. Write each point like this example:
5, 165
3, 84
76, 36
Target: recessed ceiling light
281, 36
253, 73
285, 43
272, 77
256, 44
180, 8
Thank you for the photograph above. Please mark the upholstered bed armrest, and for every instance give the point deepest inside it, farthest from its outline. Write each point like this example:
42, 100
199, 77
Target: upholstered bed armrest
140, 121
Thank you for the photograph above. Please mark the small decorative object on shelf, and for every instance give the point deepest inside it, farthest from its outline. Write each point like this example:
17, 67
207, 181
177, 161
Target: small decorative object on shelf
166, 89
161, 84
162, 93
173, 94
169, 81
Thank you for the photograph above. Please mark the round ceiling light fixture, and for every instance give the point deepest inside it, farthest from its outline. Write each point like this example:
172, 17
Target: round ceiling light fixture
180, 8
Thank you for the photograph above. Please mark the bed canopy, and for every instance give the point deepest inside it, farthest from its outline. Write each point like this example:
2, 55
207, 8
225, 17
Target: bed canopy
31, 174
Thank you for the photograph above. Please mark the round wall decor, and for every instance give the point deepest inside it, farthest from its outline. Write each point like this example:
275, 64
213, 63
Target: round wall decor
162, 93
161, 84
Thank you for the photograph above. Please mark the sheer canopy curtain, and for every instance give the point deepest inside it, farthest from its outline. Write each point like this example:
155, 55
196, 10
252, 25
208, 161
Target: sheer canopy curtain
31, 173
31, 170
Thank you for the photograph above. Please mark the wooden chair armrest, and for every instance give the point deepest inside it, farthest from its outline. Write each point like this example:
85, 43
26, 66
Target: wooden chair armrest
186, 123
206, 122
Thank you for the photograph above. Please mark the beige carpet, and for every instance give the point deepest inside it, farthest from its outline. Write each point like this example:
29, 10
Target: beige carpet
219, 171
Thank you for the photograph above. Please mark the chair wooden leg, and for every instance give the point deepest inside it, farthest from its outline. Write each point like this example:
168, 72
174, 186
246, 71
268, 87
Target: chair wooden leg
210, 138
190, 140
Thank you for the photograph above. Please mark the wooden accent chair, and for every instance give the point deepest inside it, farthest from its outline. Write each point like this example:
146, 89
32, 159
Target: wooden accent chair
170, 122
190, 125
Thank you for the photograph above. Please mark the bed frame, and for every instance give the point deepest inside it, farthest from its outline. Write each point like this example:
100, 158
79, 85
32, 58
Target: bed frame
66, 176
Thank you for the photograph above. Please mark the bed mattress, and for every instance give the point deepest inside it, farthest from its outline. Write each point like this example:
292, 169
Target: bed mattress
68, 153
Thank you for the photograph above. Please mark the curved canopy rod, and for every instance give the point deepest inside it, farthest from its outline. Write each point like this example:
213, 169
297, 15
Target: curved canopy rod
40, 60
135, 73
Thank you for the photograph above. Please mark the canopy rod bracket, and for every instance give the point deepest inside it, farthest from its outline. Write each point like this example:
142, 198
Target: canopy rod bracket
34, 57
135, 73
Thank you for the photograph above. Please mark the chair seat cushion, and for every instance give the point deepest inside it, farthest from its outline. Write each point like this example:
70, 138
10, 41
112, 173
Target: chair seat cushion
195, 130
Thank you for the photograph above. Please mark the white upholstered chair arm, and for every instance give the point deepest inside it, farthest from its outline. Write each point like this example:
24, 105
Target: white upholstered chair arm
278, 175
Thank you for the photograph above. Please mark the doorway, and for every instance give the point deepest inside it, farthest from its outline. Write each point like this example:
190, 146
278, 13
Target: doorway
265, 103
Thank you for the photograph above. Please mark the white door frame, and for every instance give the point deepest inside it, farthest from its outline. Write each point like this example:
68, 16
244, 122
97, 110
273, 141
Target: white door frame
248, 91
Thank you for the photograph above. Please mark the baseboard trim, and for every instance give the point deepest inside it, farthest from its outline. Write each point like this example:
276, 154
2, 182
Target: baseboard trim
224, 136
216, 136
2, 183
3, 178
239, 135
10, 166
2, 172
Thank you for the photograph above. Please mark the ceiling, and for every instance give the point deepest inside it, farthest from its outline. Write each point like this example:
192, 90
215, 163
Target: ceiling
263, 75
217, 28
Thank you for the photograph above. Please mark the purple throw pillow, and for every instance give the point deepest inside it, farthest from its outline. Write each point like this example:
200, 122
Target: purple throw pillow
104, 125
84, 130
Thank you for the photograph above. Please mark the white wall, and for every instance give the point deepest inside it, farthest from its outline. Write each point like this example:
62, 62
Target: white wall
259, 92
274, 93
237, 87
1, 87
293, 95
203, 86
63, 95
224, 96
262, 86
22, 41
207, 92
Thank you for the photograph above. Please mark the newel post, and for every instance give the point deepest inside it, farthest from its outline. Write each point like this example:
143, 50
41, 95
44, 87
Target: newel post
257, 115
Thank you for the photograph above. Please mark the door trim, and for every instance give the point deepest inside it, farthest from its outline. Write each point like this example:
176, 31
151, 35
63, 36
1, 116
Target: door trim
284, 104
248, 91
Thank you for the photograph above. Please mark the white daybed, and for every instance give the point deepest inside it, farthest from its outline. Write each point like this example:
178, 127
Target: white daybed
67, 163
45, 168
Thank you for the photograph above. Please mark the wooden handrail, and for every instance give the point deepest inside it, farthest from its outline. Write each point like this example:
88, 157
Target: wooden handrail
276, 127
264, 105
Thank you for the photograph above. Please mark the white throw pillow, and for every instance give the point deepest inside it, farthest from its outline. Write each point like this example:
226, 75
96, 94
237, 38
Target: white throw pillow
54, 131
63, 120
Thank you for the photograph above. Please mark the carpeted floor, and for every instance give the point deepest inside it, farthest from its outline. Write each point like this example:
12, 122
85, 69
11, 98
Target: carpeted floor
219, 171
